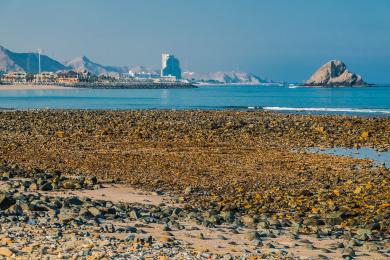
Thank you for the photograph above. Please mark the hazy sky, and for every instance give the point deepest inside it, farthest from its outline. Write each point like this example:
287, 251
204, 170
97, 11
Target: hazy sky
281, 40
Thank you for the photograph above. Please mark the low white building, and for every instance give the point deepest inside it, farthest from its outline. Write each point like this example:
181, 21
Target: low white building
45, 77
15, 77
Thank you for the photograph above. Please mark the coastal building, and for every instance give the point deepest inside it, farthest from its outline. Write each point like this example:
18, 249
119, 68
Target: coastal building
170, 66
45, 77
143, 75
67, 77
15, 77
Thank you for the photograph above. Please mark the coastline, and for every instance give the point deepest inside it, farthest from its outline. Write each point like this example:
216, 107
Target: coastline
33, 87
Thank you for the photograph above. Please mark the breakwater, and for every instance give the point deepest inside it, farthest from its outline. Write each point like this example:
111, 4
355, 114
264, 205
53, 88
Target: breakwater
129, 85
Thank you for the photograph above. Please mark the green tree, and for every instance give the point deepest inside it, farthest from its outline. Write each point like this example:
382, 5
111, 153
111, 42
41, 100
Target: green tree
29, 77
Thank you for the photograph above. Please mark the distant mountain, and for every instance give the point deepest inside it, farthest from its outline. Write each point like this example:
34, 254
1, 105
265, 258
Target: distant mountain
335, 73
233, 77
83, 63
28, 62
140, 69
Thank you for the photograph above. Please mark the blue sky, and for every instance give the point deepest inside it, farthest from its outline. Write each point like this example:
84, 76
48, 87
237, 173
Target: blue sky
279, 39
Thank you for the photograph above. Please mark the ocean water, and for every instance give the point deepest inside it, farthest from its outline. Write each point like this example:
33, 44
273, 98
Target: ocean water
359, 101
380, 158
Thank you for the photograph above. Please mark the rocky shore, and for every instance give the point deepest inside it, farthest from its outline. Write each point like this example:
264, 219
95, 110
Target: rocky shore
208, 184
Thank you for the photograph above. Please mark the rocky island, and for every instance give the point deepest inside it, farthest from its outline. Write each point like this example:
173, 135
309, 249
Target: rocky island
335, 74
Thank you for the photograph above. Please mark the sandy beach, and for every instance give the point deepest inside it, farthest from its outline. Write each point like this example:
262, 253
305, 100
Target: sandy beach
32, 87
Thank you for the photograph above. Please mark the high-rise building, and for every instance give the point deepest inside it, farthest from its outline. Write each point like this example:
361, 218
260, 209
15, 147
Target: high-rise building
170, 66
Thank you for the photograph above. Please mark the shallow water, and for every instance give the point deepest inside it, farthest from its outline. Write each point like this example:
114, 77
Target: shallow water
359, 101
361, 153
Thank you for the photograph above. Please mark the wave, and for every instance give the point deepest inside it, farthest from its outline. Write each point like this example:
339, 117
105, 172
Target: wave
325, 109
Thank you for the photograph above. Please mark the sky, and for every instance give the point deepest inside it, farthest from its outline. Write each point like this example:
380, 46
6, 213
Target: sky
282, 40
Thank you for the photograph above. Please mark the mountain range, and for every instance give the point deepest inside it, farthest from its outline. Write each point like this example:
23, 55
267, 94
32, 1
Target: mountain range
28, 62
83, 63
220, 77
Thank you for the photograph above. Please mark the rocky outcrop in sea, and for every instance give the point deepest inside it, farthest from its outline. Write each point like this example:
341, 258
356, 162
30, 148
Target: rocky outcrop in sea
335, 74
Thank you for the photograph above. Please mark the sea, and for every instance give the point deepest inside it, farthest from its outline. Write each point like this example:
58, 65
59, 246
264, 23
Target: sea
361, 101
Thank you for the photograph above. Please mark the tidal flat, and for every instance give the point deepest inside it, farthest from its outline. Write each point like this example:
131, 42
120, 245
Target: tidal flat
241, 181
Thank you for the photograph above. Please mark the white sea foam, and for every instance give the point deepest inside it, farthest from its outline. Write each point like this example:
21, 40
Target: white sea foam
326, 109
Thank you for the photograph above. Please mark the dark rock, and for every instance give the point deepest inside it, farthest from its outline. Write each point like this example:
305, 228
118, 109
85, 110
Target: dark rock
6, 201
46, 187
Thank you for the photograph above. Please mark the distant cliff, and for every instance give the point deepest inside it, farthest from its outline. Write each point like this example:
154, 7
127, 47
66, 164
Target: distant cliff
335, 73
233, 77
28, 62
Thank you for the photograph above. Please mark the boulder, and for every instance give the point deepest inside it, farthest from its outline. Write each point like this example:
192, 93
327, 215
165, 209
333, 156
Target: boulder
333, 74
6, 201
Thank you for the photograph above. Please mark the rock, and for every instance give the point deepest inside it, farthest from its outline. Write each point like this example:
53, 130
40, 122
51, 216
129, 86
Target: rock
46, 187
371, 247
166, 228
94, 211
5, 252
363, 234
354, 242
335, 218
71, 184
73, 201
6, 201
221, 237
130, 238
374, 225
166, 239
249, 221
269, 245
38, 205
334, 73
134, 214
252, 235
7, 187
5, 176
313, 221
348, 252
33, 187
14, 210
340, 245
188, 190
90, 181
228, 216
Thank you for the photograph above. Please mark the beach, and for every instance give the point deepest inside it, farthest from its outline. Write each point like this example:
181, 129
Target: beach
220, 176
32, 87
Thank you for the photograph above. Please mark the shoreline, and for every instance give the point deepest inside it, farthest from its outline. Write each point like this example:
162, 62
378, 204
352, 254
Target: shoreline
33, 87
